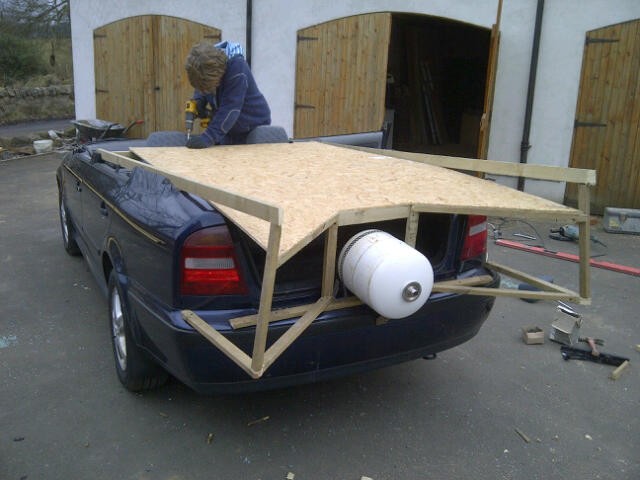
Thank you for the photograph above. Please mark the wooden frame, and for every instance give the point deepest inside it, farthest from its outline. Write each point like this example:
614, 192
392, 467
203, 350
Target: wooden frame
243, 209
584, 178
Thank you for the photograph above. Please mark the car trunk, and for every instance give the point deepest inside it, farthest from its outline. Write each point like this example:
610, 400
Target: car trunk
439, 238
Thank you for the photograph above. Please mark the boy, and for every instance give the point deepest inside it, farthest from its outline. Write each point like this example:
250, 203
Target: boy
224, 81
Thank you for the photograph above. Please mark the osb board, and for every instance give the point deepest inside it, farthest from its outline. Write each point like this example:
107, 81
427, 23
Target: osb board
313, 183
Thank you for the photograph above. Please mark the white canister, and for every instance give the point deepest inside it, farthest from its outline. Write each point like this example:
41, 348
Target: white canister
385, 273
43, 146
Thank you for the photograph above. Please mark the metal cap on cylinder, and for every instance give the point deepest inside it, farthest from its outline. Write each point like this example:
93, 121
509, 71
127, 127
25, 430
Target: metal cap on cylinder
385, 273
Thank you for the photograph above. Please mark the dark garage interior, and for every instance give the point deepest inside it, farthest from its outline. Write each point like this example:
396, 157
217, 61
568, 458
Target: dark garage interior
436, 80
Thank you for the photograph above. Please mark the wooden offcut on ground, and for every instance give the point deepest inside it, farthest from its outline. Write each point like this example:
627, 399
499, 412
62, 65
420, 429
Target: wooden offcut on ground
285, 195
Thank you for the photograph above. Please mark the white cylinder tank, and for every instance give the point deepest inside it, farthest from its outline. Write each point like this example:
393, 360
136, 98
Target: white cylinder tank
385, 273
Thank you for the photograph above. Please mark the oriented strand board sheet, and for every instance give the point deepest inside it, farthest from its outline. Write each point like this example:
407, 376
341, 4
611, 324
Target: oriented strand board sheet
313, 183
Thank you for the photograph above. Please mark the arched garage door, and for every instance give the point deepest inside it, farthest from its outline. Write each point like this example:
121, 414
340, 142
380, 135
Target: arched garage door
432, 77
606, 134
139, 70
341, 70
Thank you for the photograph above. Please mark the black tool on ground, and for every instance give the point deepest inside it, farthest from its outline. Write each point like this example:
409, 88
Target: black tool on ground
569, 233
566, 233
569, 353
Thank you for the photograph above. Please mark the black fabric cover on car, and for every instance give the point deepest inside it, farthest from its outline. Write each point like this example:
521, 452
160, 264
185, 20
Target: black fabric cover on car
152, 198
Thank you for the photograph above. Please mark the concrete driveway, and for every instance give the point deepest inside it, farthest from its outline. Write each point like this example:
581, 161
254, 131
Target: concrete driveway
63, 414
26, 128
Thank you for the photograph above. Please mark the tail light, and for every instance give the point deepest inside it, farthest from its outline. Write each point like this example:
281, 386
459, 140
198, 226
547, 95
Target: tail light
209, 265
475, 242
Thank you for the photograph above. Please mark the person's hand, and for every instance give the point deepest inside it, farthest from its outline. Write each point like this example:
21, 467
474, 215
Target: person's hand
201, 107
199, 141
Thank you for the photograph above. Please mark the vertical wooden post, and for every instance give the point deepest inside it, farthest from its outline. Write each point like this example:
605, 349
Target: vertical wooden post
329, 267
584, 240
489, 89
411, 231
266, 297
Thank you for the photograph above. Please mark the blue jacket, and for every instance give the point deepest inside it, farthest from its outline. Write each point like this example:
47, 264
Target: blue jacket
240, 105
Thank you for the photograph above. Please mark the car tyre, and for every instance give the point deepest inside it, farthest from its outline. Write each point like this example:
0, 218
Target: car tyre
136, 371
68, 231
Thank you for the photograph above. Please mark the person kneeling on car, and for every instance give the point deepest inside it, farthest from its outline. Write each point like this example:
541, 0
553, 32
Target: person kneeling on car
222, 79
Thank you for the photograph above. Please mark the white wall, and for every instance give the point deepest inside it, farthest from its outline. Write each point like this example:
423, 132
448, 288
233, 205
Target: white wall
564, 27
87, 15
274, 27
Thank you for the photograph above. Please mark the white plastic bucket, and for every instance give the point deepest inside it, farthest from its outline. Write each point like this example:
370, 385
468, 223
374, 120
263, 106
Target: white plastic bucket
385, 273
43, 146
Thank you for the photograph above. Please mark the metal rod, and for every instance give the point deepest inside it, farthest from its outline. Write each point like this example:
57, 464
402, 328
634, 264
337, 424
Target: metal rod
249, 31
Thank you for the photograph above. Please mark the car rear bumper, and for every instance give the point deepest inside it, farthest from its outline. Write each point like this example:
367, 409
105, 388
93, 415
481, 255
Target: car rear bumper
338, 343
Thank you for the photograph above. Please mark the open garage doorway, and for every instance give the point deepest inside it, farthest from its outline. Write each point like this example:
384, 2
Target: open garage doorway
436, 76
424, 77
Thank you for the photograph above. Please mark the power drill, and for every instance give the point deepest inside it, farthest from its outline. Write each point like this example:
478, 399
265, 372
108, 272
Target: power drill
191, 112
570, 233
567, 232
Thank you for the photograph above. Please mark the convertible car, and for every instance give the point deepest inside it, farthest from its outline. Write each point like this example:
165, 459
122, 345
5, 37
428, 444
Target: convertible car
155, 250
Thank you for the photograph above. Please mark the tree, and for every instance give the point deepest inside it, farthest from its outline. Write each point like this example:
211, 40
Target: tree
19, 59
36, 18
22, 22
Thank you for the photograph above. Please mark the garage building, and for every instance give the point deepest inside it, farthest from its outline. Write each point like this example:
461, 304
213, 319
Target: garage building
549, 83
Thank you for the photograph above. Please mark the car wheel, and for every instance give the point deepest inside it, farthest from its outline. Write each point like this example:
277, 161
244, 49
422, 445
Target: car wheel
68, 231
136, 371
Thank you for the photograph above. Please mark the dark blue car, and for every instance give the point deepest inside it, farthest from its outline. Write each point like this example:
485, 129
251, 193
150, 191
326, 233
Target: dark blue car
138, 234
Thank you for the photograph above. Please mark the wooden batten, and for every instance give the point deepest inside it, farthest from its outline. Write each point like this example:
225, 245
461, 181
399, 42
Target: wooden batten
253, 207
535, 172
285, 195
312, 184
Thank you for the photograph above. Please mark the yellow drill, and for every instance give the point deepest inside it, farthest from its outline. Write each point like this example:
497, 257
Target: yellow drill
191, 113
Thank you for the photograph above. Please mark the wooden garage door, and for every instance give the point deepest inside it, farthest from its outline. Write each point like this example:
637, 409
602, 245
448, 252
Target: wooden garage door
490, 87
341, 70
139, 70
607, 127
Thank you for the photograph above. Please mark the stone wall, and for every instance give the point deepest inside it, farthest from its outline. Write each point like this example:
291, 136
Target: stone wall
37, 103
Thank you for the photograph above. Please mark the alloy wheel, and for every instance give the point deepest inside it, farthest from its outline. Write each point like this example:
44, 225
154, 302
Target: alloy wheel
118, 331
